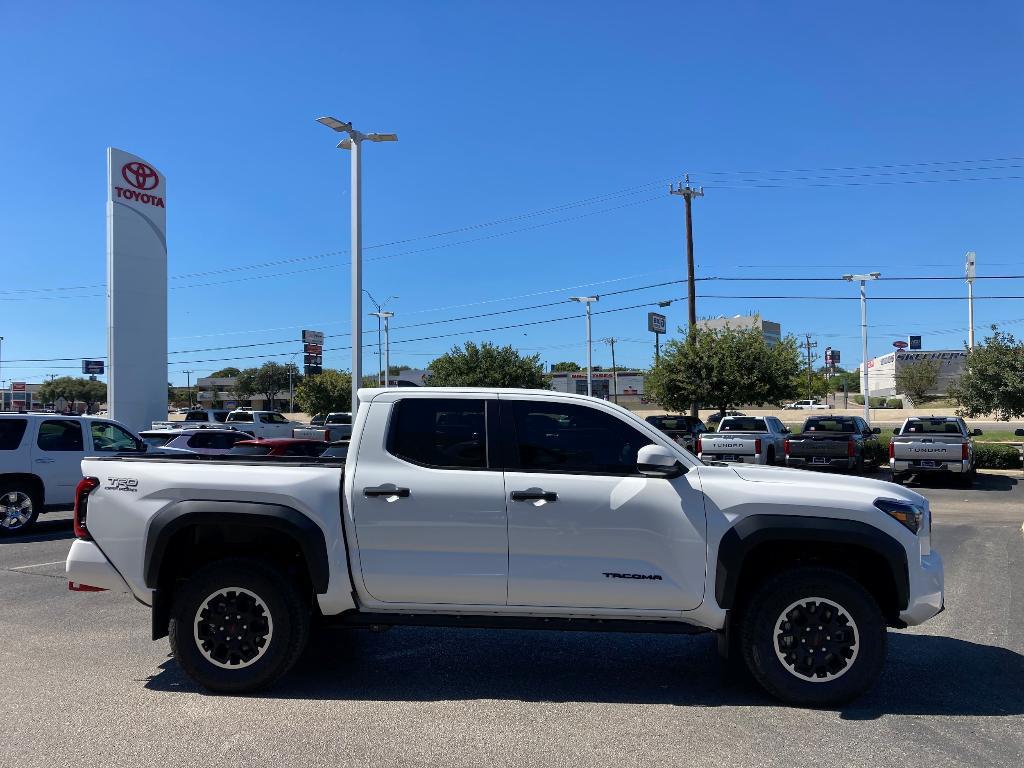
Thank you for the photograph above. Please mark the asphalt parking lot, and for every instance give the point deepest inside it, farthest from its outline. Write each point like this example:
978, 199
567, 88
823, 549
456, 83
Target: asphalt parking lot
81, 683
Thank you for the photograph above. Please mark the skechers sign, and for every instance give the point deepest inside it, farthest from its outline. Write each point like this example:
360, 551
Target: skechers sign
143, 178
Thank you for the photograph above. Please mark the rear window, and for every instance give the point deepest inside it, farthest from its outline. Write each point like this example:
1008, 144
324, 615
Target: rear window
932, 425
335, 451
340, 418
742, 424
250, 450
157, 441
829, 425
444, 433
671, 422
11, 432
196, 416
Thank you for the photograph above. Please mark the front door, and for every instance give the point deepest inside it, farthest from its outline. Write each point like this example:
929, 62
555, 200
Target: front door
586, 530
428, 508
57, 458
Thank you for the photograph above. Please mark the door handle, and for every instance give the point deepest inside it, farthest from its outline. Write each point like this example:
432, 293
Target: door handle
533, 496
45, 461
387, 490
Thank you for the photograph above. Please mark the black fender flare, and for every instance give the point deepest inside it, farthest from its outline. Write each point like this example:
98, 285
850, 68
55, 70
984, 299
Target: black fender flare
753, 531
281, 519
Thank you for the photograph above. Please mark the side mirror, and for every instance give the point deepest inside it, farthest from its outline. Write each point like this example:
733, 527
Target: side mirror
656, 461
142, 446
979, 433
896, 430
877, 431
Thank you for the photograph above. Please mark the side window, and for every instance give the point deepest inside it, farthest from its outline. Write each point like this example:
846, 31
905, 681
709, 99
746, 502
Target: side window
436, 432
11, 432
220, 416
200, 441
274, 418
60, 435
110, 437
555, 437
244, 416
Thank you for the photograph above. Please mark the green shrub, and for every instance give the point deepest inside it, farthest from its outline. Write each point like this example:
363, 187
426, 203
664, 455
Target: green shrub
876, 402
894, 402
858, 399
997, 456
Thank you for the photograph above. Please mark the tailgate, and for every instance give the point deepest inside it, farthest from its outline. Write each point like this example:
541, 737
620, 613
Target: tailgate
733, 446
837, 446
928, 449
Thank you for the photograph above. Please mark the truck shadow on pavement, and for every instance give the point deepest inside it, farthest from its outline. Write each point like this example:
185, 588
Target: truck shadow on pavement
983, 482
43, 530
925, 675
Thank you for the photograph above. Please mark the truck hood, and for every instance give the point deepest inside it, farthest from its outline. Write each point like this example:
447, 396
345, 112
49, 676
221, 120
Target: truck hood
828, 485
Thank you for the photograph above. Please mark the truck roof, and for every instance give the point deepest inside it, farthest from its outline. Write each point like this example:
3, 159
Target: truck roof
366, 394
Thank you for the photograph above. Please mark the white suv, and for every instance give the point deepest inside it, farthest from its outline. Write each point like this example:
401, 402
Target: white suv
40, 461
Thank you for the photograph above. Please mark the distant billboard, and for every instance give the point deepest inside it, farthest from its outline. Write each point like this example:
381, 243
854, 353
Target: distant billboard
914, 342
312, 352
93, 367
656, 323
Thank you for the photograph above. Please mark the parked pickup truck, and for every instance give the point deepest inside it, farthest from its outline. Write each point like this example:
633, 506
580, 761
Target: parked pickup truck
745, 439
683, 429
193, 418
261, 423
40, 461
805, 405
512, 509
333, 426
933, 444
837, 442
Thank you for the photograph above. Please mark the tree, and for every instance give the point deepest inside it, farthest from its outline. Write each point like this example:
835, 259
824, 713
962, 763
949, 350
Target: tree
73, 389
993, 380
267, 380
487, 365
327, 391
917, 380
725, 368
225, 373
566, 367
850, 378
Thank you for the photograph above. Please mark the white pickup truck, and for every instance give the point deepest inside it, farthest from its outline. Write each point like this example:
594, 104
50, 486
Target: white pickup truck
745, 439
261, 424
807, 405
928, 445
512, 509
330, 428
211, 416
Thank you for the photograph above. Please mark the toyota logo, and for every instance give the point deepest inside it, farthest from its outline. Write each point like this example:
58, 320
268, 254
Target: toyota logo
140, 175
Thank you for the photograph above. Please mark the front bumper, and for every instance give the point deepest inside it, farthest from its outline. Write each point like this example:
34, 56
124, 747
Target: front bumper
88, 566
927, 590
909, 467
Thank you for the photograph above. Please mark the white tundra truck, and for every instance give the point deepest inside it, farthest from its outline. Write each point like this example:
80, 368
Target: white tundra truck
745, 439
933, 444
513, 509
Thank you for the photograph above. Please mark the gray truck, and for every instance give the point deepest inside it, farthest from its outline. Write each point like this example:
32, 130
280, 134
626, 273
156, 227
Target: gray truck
834, 442
936, 444
744, 440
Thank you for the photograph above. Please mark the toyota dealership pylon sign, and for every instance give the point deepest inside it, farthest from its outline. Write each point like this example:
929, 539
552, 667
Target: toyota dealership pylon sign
136, 290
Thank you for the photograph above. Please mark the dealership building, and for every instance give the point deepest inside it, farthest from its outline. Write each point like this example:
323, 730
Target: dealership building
882, 370
629, 383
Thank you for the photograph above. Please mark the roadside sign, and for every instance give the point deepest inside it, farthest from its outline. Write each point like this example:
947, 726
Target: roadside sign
656, 323
92, 366
313, 337
915, 342
18, 386
900, 344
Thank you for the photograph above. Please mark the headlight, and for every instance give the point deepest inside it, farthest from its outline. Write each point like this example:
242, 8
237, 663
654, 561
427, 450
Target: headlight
910, 515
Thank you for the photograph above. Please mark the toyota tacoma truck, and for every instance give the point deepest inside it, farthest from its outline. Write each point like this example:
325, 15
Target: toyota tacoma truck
834, 442
509, 509
745, 439
933, 445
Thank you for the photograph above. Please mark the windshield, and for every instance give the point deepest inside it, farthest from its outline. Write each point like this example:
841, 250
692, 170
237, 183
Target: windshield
742, 424
340, 418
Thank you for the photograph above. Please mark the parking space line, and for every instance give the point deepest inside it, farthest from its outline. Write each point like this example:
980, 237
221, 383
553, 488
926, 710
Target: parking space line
37, 565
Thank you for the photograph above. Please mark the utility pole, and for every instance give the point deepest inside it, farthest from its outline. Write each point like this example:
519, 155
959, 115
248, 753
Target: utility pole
386, 317
810, 346
610, 341
688, 193
587, 301
970, 298
188, 380
863, 279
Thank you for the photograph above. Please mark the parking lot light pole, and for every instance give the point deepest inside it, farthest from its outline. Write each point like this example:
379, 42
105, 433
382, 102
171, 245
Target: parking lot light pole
380, 306
386, 317
354, 142
863, 279
587, 300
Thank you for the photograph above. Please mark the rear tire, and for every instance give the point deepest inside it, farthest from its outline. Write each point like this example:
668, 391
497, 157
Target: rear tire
771, 456
19, 508
238, 625
813, 637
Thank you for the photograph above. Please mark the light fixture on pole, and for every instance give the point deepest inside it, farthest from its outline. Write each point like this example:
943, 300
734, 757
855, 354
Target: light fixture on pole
354, 142
862, 279
380, 306
971, 266
386, 317
587, 300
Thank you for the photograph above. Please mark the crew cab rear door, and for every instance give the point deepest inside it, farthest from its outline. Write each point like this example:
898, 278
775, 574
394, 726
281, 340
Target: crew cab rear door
586, 530
57, 453
428, 501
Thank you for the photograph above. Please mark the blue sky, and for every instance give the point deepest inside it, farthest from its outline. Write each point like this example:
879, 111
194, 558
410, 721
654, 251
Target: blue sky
576, 113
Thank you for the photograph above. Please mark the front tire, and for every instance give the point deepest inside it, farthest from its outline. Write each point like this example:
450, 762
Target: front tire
813, 637
19, 508
238, 625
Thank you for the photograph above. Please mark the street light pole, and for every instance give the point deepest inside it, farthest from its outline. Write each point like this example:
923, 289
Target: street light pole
386, 317
971, 265
862, 279
586, 300
353, 142
380, 307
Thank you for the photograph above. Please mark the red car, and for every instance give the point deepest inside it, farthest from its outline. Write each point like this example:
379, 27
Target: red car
279, 446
